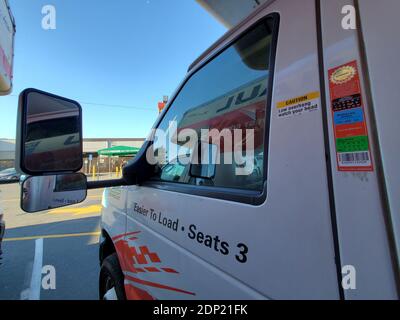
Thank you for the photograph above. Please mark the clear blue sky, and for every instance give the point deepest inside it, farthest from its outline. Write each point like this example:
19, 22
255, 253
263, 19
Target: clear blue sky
127, 53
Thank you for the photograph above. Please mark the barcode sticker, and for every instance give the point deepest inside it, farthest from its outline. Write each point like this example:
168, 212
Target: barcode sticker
354, 158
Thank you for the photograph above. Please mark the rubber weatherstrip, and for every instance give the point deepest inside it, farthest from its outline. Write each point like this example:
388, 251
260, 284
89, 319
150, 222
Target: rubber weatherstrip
332, 205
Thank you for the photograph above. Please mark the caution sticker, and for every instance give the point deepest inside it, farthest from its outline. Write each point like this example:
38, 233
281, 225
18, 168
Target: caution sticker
299, 105
349, 123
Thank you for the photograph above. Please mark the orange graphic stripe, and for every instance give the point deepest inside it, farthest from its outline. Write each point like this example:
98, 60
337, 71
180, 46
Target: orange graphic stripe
169, 270
152, 269
135, 293
157, 285
124, 234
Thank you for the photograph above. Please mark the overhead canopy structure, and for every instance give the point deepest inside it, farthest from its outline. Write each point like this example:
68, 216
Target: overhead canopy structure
120, 151
230, 12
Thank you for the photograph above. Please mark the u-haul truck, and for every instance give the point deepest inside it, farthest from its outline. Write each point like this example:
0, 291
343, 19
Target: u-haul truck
318, 217
7, 33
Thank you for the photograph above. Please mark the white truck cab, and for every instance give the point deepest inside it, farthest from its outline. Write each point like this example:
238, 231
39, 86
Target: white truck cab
7, 35
311, 210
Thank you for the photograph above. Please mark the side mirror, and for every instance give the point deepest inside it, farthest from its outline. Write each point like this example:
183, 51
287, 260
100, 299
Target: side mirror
204, 161
48, 192
49, 133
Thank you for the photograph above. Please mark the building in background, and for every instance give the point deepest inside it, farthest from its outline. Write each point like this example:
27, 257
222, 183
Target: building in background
90, 153
7, 153
104, 164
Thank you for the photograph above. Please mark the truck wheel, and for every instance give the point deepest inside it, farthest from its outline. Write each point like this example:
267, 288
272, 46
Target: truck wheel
111, 281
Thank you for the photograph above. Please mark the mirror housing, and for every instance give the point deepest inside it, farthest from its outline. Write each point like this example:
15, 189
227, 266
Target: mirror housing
135, 172
49, 134
49, 192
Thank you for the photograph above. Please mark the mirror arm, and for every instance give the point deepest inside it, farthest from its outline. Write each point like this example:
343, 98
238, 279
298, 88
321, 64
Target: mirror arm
139, 170
106, 183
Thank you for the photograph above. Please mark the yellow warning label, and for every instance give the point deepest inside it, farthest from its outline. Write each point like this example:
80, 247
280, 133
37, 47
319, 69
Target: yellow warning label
301, 99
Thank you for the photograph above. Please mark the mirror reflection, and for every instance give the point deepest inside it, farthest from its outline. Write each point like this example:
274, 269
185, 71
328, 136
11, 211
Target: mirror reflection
52, 134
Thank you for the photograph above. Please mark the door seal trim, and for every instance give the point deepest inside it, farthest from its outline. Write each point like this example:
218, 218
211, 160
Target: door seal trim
321, 64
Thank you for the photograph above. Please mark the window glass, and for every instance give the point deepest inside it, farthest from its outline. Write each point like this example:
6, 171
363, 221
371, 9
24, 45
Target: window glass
219, 115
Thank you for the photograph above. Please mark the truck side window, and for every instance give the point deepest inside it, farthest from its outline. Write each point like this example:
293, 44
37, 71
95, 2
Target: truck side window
228, 94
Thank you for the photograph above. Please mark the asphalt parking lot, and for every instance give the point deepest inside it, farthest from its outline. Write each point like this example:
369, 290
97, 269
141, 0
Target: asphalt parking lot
61, 242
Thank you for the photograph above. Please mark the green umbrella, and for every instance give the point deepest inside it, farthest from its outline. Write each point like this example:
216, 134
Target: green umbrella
121, 151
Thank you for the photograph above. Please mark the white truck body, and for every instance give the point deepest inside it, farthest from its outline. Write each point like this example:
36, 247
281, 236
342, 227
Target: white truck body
7, 33
325, 206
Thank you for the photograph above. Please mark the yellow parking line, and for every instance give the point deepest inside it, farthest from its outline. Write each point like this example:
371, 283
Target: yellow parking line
54, 236
77, 211
99, 196
18, 199
9, 200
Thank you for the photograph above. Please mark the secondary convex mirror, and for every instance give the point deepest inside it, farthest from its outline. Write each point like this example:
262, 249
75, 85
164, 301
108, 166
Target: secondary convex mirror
48, 192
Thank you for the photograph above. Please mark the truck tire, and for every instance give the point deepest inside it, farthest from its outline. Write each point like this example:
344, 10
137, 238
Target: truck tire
111, 280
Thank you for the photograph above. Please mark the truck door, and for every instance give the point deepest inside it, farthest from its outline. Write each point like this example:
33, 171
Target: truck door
220, 234
365, 223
